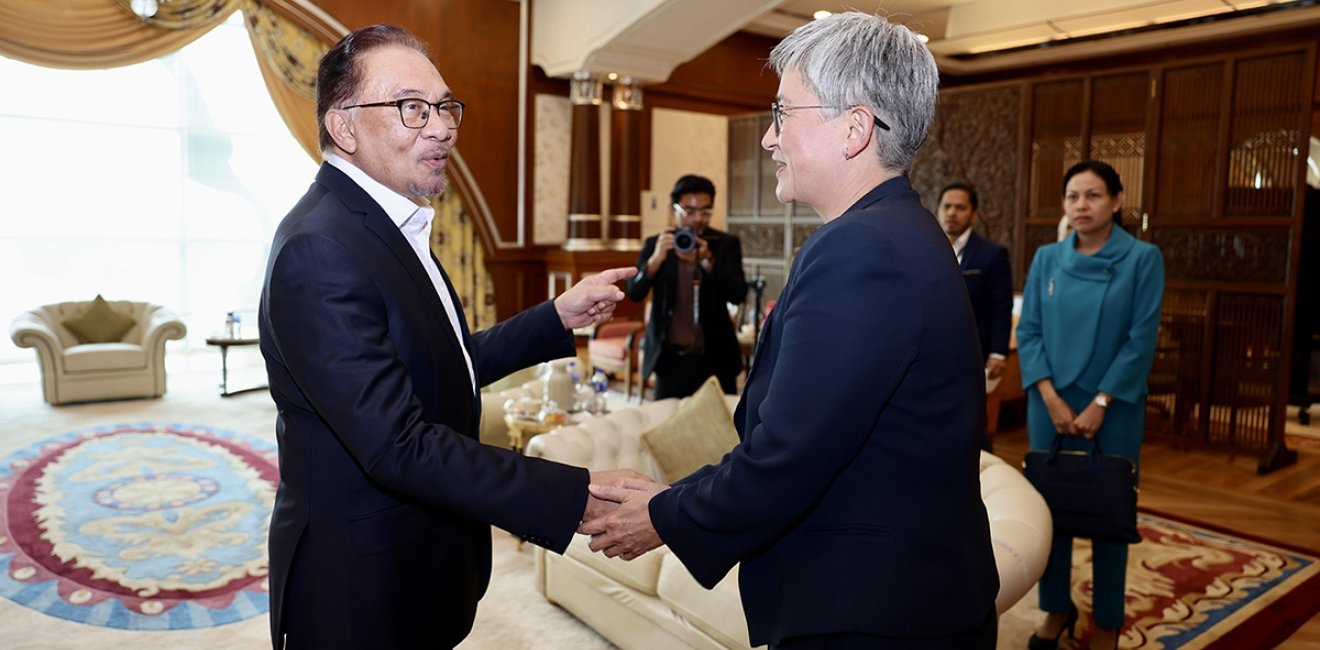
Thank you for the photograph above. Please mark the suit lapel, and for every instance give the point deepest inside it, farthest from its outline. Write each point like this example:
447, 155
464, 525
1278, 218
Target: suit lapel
382, 228
969, 252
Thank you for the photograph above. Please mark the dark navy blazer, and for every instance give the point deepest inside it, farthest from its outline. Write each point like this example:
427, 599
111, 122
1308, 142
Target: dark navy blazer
853, 501
990, 287
380, 532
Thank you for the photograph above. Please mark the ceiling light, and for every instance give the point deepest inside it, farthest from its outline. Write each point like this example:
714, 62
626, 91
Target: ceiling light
923, 38
612, 76
144, 8
822, 14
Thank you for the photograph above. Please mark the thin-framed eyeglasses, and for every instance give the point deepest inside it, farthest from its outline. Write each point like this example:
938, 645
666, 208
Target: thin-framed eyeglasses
778, 110
685, 211
415, 112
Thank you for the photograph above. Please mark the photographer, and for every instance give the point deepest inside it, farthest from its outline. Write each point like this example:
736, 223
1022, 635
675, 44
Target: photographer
696, 271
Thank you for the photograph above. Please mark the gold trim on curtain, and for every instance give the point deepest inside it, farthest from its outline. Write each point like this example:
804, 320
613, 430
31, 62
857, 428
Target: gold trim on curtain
93, 34
288, 56
455, 243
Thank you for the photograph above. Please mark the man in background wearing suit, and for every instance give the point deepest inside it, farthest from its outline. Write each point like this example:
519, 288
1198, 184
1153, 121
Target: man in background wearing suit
691, 280
380, 534
853, 500
986, 269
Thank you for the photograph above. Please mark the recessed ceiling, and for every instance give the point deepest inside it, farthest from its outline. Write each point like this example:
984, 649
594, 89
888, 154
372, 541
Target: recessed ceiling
979, 35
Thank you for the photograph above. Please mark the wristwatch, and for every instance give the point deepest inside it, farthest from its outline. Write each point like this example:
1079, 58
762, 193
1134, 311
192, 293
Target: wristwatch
1101, 401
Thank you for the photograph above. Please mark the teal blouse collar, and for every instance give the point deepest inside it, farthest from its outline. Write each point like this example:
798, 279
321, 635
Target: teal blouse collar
1099, 265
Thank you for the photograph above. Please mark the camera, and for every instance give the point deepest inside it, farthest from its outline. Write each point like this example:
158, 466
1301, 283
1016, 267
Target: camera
685, 239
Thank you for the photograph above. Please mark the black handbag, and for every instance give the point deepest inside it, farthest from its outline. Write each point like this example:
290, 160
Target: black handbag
1090, 494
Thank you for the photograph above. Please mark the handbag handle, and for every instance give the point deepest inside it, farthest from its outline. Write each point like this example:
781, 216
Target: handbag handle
1057, 446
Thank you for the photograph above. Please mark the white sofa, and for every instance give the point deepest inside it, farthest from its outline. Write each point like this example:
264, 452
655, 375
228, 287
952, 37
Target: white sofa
134, 367
653, 602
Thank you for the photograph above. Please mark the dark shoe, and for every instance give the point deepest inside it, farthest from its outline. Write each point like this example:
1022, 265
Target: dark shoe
1069, 626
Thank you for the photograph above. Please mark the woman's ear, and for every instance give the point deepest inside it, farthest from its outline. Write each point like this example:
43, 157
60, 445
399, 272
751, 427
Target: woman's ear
860, 131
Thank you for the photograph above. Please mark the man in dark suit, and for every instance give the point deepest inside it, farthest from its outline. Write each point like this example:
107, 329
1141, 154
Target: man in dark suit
380, 535
690, 336
986, 269
853, 500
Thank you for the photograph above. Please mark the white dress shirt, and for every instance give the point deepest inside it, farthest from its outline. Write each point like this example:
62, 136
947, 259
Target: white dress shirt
960, 244
414, 222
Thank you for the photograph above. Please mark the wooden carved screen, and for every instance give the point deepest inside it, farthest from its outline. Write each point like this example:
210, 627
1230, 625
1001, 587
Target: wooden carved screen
975, 140
1225, 212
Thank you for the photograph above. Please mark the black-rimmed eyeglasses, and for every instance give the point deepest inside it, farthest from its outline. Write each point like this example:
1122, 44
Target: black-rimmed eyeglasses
415, 112
777, 111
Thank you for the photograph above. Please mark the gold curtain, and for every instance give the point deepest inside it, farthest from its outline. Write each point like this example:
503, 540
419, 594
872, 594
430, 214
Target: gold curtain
455, 243
97, 34
288, 56
93, 34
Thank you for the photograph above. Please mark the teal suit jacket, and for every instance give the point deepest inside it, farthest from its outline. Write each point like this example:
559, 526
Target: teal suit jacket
1091, 321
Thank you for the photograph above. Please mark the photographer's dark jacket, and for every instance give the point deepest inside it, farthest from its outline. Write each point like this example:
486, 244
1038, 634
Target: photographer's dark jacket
723, 284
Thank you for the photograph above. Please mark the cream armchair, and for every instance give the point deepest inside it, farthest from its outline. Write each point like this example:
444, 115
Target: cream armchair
71, 372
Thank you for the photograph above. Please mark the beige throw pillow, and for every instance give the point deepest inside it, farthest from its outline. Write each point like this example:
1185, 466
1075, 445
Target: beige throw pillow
99, 323
699, 433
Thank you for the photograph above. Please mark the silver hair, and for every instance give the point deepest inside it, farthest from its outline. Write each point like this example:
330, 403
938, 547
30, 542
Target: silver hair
859, 59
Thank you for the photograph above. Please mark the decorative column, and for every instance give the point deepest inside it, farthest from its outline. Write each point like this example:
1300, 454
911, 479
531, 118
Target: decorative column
584, 219
625, 222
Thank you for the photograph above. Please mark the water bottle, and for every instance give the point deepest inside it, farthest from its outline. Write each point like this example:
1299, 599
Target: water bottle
600, 382
238, 326
229, 325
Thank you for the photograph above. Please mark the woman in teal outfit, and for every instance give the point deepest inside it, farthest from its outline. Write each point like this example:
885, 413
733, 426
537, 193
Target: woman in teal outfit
1086, 341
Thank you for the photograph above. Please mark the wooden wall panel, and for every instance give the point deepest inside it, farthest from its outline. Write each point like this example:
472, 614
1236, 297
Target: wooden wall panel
1119, 108
1185, 166
1056, 144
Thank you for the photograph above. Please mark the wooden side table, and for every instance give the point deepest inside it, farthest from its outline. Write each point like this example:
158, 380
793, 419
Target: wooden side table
224, 344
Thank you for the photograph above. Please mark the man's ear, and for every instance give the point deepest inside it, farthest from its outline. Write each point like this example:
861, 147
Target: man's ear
341, 130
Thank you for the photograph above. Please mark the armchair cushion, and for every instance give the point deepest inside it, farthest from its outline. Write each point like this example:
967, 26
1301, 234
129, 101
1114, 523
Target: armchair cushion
700, 432
104, 356
99, 323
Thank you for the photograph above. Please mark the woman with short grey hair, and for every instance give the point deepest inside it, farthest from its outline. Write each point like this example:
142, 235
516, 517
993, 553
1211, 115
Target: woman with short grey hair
853, 501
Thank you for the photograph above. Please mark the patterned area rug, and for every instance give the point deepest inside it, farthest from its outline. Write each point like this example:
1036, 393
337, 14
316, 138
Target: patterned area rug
142, 526
1195, 586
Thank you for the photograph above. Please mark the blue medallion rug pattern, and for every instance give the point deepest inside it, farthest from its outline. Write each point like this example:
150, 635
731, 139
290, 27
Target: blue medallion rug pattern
140, 526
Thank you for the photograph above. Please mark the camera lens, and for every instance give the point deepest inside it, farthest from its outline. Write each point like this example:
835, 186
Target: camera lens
684, 240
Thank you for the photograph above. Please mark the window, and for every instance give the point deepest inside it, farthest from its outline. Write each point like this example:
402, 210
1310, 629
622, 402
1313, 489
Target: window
162, 181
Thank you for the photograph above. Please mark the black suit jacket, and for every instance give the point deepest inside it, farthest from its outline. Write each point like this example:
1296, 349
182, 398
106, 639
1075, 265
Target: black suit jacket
853, 500
379, 536
990, 287
724, 284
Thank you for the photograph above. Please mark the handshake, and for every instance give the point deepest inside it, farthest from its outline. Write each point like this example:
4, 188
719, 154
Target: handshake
618, 516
